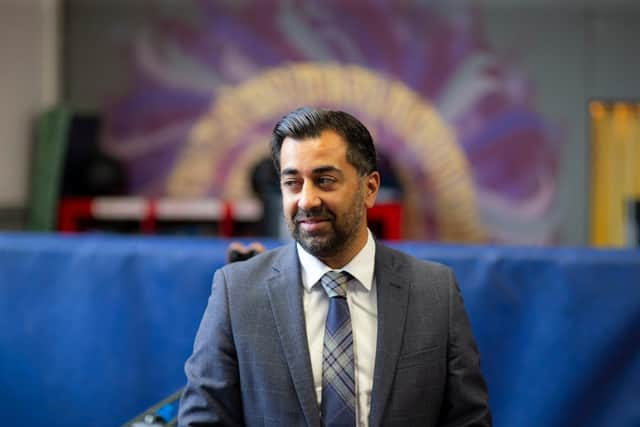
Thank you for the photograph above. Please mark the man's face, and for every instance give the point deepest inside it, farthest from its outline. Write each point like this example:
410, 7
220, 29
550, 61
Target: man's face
324, 198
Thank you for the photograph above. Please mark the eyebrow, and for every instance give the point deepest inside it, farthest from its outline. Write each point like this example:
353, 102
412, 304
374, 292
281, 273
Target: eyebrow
315, 171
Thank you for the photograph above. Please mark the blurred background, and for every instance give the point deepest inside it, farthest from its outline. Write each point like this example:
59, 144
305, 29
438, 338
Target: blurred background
496, 121
134, 148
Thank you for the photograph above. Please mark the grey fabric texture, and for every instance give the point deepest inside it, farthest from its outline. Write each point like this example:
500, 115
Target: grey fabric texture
250, 363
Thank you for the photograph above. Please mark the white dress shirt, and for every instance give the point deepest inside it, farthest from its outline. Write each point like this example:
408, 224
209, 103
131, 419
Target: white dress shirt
363, 306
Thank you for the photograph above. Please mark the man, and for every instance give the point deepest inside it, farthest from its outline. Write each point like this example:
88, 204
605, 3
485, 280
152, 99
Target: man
336, 328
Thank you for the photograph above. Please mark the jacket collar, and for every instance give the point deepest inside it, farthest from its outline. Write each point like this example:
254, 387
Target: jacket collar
393, 284
285, 295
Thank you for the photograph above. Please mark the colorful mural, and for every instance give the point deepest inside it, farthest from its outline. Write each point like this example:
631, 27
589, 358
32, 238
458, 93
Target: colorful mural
455, 123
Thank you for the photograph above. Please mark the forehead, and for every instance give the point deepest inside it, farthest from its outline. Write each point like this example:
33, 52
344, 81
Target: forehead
328, 149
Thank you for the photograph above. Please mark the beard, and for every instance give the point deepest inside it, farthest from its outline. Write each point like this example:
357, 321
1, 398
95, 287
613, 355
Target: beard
342, 231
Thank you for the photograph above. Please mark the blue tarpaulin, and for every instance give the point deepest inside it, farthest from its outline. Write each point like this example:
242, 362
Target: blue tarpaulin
94, 329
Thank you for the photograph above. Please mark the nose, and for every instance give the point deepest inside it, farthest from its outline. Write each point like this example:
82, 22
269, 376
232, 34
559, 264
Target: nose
309, 197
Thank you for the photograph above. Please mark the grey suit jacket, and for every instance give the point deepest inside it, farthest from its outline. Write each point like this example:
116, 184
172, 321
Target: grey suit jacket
250, 364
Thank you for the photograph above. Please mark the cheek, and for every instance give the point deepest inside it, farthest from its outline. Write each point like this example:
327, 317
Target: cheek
289, 206
337, 205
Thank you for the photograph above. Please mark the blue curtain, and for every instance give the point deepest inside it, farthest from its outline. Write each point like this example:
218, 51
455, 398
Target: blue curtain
94, 329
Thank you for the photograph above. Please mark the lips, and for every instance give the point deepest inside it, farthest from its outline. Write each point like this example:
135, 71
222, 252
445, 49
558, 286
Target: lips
312, 224
314, 220
306, 216
311, 220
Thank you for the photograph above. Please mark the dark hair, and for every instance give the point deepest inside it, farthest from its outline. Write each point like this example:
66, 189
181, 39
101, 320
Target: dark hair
309, 122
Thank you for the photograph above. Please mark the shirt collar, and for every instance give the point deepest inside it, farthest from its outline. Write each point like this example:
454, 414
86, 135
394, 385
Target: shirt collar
361, 266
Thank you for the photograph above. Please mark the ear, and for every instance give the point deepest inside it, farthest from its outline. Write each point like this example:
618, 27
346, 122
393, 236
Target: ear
371, 187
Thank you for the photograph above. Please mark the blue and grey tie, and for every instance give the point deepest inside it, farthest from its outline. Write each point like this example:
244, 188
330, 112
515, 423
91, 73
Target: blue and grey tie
338, 406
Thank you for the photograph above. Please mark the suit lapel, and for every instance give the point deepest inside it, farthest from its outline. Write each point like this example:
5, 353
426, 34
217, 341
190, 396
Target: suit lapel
393, 291
285, 295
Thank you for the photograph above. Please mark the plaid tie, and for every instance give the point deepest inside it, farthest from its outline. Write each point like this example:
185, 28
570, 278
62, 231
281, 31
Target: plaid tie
338, 406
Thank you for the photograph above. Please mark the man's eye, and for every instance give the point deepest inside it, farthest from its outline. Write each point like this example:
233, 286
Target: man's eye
289, 183
325, 181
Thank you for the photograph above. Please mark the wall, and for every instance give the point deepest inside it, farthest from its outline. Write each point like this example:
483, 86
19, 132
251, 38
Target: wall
572, 53
29, 53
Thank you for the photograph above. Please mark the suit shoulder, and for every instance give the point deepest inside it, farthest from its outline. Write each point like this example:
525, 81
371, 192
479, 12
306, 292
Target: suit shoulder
255, 266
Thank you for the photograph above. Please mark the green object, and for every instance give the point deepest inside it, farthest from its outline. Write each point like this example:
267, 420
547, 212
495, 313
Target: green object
47, 170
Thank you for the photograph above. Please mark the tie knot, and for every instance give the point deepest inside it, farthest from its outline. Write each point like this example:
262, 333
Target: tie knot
335, 283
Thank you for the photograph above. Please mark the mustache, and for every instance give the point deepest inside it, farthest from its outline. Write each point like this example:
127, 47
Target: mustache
321, 213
